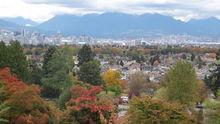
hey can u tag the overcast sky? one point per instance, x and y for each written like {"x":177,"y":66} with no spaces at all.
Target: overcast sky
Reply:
{"x":42,"y":10}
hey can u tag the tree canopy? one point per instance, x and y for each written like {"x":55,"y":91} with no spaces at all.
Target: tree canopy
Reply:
{"x":13,"y":56}
{"x":90,"y":73}
{"x":181,"y":83}
{"x":85,"y":54}
{"x":146,"y":110}
{"x":58,"y":77}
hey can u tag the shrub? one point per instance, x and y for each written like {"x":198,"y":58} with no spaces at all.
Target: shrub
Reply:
{"x":146,"y":110}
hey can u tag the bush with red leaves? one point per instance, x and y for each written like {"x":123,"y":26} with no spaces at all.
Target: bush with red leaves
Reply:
{"x":11,"y":82}
{"x":86,"y":108}
{"x":24,"y":102}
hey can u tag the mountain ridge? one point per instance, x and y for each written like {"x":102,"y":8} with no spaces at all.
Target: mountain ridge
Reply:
{"x":119,"y":24}
{"x":110,"y":24}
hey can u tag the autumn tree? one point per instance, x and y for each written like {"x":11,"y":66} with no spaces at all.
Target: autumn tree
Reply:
{"x":181,"y":83}
{"x":89,"y":72}
{"x":85,"y":54}
{"x":138,"y":83}
{"x":11,"y":82}
{"x":202,"y":91}
{"x":146,"y":110}
{"x":23,"y":102}
{"x":85,"y":107}
{"x":112,"y":81}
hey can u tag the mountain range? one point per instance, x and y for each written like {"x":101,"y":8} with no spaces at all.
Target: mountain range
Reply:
{"x":118,"y":24}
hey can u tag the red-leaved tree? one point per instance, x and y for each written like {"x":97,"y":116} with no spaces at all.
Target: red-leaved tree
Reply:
{"x":86,"y":107}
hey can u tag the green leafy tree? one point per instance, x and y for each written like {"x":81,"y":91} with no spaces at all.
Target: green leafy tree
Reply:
{"x":3,"y":107}
{"x":64,"y":98}
{"x":181,"y":83}
{"x":3,"y":110}
{"x":90,"y":73}
{"x":67,"y":53}
{"x":85,"y":55}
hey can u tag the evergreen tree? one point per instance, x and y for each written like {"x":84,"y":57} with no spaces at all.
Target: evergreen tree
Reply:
{"x":17,"y":60}
{"x":121,"y":63}
{"x":58,"y":77}
{"x":85,"y":55}
{"x":67,"y":53}
{"x":218,"y":54}
{"x":213,"y":80}
{"x":3,"y":55}
{"x":35,"y":73}
{"x":90,"y":73}
{"x":181,"y":83}
{"x":193,"y":57}
{"x":184,"y":56}
{"x":154,"y":59}
{"x":47,"y":57}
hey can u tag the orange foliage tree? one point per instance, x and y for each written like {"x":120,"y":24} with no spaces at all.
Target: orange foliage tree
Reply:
{"x":11,"y":82}
{"x":24,"y":102}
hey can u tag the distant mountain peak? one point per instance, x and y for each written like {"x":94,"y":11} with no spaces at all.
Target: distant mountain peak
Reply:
{"x":21,"y":21}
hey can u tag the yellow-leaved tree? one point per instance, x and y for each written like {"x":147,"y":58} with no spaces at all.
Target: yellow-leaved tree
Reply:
{"x":112,"y":81}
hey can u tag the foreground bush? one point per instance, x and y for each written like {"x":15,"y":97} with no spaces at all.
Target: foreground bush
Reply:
{"x":85,"y":107}
{"x":152,"y":111}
